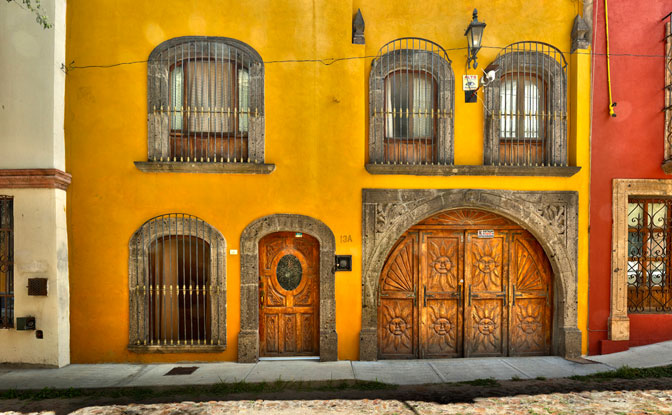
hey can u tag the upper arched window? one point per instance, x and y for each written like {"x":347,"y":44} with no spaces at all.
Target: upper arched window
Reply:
{"x":411,"y":100}
{"x":526,"y":107}
{"x":177,"y":285}
{"x":205,"y":101}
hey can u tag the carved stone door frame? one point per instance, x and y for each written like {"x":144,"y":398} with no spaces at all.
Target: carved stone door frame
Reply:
{"x":551,"y":217}
{"x":248,"y":338}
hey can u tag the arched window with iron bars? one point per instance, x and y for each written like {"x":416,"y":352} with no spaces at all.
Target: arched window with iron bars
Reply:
{"x":411,"y":101}
{"x":526,"y":107}
{"x":205,"y":101}
{"x":177,"y":285}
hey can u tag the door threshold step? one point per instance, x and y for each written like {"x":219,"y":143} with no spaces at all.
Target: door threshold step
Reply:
{"x":289,"y":358}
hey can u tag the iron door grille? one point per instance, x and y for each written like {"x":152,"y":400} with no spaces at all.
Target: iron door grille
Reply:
{"x":176,"y":287}
{"x":6,"y":262}
{"x":649,"y":242}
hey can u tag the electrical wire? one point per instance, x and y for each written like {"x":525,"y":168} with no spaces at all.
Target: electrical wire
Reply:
{"x":330,"y":61}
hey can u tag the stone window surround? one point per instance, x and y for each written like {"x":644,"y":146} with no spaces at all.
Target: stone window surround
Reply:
{"x":558,"y":104}
{"x":411,"y":59}
{"x":158,"y":70}
{"x":622,"y":189}
{"x":248,"y":338}
{"x":139,"y":250}
{"x":551,"y":216}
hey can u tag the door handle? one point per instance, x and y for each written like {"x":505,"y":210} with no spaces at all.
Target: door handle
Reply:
{"x":513,"y":299}
{"x":459,"y":294}
{"x":261,"y":298}
{"x":425,"y":295}
{"x":471,"y":295}
{"x":503,"y":294}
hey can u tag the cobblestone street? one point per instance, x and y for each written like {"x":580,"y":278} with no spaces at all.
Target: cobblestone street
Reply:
{"x":557,"y":396}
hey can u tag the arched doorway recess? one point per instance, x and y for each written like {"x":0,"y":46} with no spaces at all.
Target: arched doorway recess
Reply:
{"x":465,"y":282}
{"x":551,"y":217}
{"x":248,"y":337}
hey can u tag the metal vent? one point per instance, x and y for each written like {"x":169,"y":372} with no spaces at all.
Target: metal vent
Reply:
{"x":181,"y":370}
{"x":37,"y":286}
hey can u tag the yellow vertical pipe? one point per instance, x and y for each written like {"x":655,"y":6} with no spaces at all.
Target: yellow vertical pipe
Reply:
{"x":612,"y":104}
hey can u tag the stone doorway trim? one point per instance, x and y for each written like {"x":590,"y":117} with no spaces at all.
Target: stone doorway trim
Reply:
{"x":248,"y":338}
{"x":551,"y":217}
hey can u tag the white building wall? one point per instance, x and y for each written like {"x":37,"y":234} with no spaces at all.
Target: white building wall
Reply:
{"x":40,"y":251}
{"x":32,"y":91}
{"x":32,"y":85}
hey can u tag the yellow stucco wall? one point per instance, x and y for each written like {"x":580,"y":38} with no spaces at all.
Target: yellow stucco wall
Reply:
{"x":316,"y":130}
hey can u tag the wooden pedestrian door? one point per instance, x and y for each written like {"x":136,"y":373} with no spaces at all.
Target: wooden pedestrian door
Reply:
{"x":465,"y":283}
{"x":289,"y":295}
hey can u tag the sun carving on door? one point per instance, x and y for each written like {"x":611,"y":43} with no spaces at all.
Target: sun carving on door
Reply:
{"x":442,"y":271}
{"x":442,"y":328}
{"x":486,"y":260}
{"x":529,"y":318}
{"x":486,"y":327}
{"x":398,"y":325}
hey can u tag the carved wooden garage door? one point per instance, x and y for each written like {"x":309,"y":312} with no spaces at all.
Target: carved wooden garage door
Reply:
{"x":465,"y":283}
{"x":288,"y":294}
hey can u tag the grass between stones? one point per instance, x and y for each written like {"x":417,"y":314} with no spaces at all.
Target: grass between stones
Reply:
{"x":626,"y":372}
{"x":216,"y":389}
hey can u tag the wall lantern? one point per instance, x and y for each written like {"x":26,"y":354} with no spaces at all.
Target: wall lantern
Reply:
{"x":474,"y":36}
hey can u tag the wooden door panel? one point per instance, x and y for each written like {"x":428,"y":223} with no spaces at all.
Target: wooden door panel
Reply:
{"x":440,"y":280}
{"x":397,"y":328}
{"x":486,"y":333}
{"x":397,"y":310}
{"x":486,"y":264}
{"x":529,"y":334}
{"x":290,"y":332}
{"x":289,"y":295}
{"x":443,"y":329}
{"x":530,"y":297}
{"x":307,"y":330}
{"x":272,"y":333}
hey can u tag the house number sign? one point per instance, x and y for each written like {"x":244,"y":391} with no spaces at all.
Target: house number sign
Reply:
{"x":486,"y":233}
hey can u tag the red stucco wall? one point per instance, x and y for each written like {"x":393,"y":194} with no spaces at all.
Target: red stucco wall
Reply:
{"x":628,"y":146}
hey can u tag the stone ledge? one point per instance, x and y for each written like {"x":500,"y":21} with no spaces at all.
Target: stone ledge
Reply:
{"x":176,"y":349}
{"x":667,"y":166}
{"x":221,"y":168}
{"x":452,"y":170}
{"x":34,"y":179}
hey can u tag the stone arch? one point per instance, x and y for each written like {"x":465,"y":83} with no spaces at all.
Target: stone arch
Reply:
{"x":551,"y":217}
{"x":248,"y":338}
{"x":174,"y":224}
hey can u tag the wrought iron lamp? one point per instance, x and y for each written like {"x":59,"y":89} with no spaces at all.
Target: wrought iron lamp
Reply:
{"x":474,"y":34}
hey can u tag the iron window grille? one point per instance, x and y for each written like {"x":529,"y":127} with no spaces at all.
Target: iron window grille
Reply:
{"x":649,"y":265}
{"x":668,"y":88}
{"x":177,"y":283}
{"x":6,"y":262}
{"x":526,"y":107}
{"x":206,"y":101}
{"x":411,"y":101}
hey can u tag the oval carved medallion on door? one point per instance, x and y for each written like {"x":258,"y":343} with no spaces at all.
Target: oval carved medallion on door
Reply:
{"x":465,"y":283}
{"x":289,"y":296}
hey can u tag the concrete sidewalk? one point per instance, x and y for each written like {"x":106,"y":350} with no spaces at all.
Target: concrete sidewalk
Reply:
{"x":402,"y":372}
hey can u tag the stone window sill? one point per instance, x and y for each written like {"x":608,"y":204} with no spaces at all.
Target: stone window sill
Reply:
{"x":452,"y":170}
{"x":187,"y":167}
{"x":176,"y":349}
